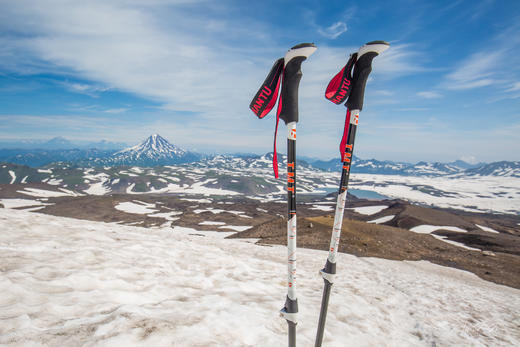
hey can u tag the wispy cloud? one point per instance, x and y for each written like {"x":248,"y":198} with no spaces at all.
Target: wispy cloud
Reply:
{"x":400,"y":59}
{"x":82,"y":88}
{"x":481,"y":8}
{"x":492,"y":65}
{"x":429,"y":95}
{"x":515,"y":87}
{"x":334,"y":30}
{"x":116,"y":110}
{"x":476,"y":71}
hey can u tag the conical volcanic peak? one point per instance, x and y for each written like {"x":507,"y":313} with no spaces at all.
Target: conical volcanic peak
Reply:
{"x":154,"y":147}
{"x":155,"y":150}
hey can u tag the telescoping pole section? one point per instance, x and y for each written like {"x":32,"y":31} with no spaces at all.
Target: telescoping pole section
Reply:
{"x":288,"y":111}
{"x":290,"y":309}
{"x":330,"y":266}
{"x":362,"y":68}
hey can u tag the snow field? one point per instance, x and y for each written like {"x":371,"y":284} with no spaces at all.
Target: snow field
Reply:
{"x":13,"y":176}
{"x":429,"y":229}
{"x":383,"y":219}
{"x":207,"y":222}
{"x":17,"y":203}
{"x":369,"y":210}
{"x":71,"y":282}
{"x":488,"y":229}
{"x":236,"y":227}
{"x":42,"y":193}
{"x":322,"y":208}
{"x":475,"y":193}
{"x":132,"y":207}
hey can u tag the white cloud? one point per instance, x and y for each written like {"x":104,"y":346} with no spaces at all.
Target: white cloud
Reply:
{"x":476,"y":71}
{"x":515,"y":87}
{"x":469,"y":159}
{"x":334,"y":30}
{"x":400,"y":59}
{"x":491,"y":66}
{"x":429,"y":95}
{"x":82,"y":88}
{"x":116,"y":110}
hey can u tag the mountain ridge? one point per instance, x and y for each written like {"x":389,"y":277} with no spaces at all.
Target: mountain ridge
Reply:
{"x":155,"y":150}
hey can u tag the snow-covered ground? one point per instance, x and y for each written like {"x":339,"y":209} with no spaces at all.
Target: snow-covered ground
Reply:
{"x":13,"y":176}
{"x":474,"y":193}
{"x":70,"y":282}
{"x":383,"y":219}
{"x":488,"y":229}
{"x":137,"y":207}
{"x":17,"y":203}
{"x":369,"y":210}
{"x":429,"y":229}
{"x":42,"y":193}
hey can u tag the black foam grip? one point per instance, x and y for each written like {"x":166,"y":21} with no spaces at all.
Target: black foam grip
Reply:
{"x":289,"y":97}
{"x":362,"y":69}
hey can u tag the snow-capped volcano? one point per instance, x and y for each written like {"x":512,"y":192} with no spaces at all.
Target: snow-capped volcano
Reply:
{"x":155,"y":150}
{"x":153,"y":147}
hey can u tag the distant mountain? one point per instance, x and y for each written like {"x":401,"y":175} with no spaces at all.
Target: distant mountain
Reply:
{"x":252,"y":161}
{"x":153,"y":151}
{"x":371,"y":166}
{"x":57,"y":143}
{"x":464,"y":165}
{"x":157,"y":151}
{"x":61,"y":143}
{"x":42,"y":157}
{"x":500,"y":168}
{"x":431,"y":169}
{"x":104,"y":144}
{"x":54,"y":143}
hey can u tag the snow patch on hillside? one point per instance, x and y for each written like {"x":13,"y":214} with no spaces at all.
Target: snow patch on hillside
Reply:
{"x":42,"y":193}
{"x":488,"y":229}
{"x":132,"y":207}
{"x":13,"y":176}
{"x":369,"y":210}
{"x":18,"y":203}
{"x":382,"y":219}
{"x":429,"y":229}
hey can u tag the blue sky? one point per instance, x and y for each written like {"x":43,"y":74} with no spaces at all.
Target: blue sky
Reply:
{"x":448,"y":88}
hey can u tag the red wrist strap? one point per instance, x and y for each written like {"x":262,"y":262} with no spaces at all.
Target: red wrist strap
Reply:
{"x":265,"y":99}
{"x":338,"y":91}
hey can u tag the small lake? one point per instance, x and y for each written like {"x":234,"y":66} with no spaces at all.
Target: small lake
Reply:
{"x":358,"y":193}
{"x":367,"y":194}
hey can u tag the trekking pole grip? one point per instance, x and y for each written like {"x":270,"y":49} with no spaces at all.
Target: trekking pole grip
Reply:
{"x":291,"y":80}
{"x":362,"y":69}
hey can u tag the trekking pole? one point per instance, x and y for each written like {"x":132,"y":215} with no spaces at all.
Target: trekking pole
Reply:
{"x":345,"y":85}
{"x":263,"y":102}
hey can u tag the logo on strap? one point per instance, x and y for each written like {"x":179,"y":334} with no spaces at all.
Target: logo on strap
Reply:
{"x":339,"y":87}
{"x":265,"y":99}
{"x":338,"y":91}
